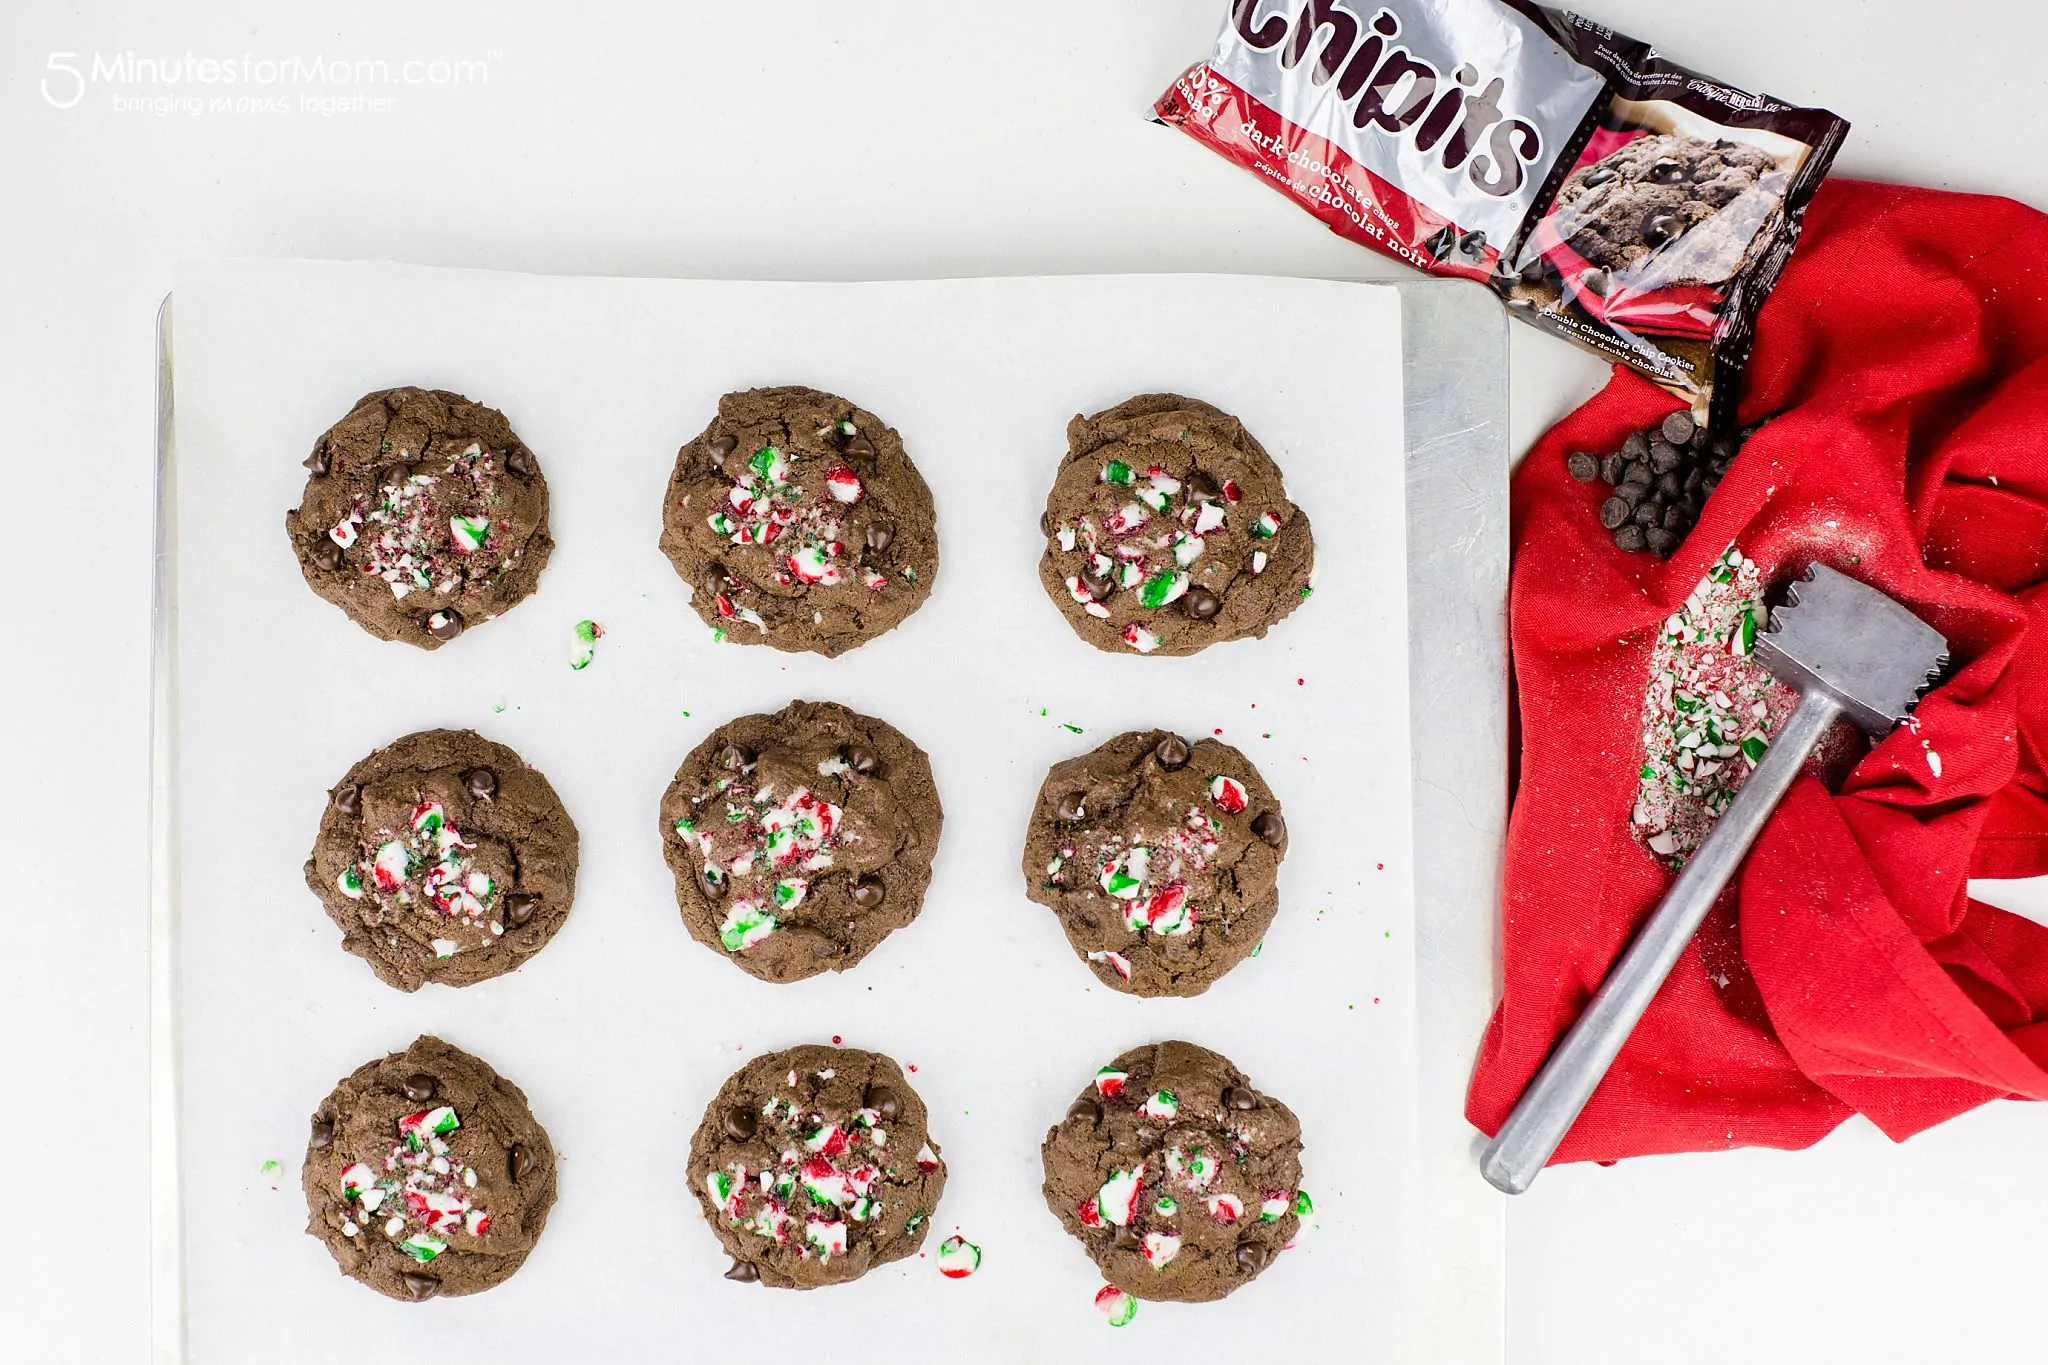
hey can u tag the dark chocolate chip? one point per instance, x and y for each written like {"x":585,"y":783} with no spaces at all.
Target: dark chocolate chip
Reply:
{"x":419,"y":1087}
{"x":324,"y":553}
{"x":1046,"y":525}
{"x":860,"y":758}
{"x":1200,"y":603}
{"x":1711,"y":482}
{"x":1072,"y":806}
{"x":396,"y":475}
{"x":1693,"y":480}
{"x":1582,"y":466}
{"x":1678,"y":427}
{"x":1237,"y":1097}
{"x":869,"y":893}
{"x":520,"y":905}
{"x":1251,"y":1258}
{"x":742,"y":1272}
{"x":1614,"y":512}
{"x":861,"y":447}
{"x":444,"y":625}
{"x":1630,"y":538}
{"x":1637,"y":446}
{"x":718,"y":582}
{"x":1669,"y":485}
{"x":714,"y":887}
{"x":720,"y":447}
{"x":1663,"y":457}
{"x":418,"y":1287}
{"x":1126,"y":1238}
{"x":882,"y":534}
{"x":1268,"y":826}
{"x":734,"y":757}
{"x":1699,"y":439}
{"x":323,"y":1132}
{"x":518,"y":462}
{"x":317,"y":461}
{"x":1674,"y":518}
{"x":1099,"y":584}
{"x":1172,"y":752}
{"x":740,"y":1122}
{"x":1648,"y":513}
{"x":1722,"y":448}
{"x":482,"y":784}
{"x":1610,"y":468}
{"x":518,"y":1162}
{"x":1661,"y":542}
{"x":884,"y":1101}
{"x":1638,"y":473}
{"x":1662,"y":227}
{"x":1086,"y":1110}
{"x":1668,"y":171}
{"x":1630,"y":493}
{"x":348,"y":799}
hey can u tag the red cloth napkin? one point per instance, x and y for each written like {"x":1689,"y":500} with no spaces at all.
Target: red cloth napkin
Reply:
{"x":1903,"y":364}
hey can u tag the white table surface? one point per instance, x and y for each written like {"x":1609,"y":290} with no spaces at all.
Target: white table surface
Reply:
{"x":850,"y":139}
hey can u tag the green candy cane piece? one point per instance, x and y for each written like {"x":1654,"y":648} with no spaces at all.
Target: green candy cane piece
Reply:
{"x":469,"y":532}
{"x":1161,"y":589}
{"x":745,"y":925}
{"x":1117,"y":472}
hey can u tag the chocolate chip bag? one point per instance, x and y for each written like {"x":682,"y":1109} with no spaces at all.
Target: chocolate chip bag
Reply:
{"x":1611,"y":196}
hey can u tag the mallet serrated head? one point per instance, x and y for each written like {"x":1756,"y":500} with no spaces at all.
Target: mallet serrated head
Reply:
{"x":1853,"y":643}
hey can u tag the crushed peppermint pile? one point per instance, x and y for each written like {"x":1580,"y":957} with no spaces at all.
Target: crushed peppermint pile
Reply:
{"x":826,"y":1182}
{"x":1709,"y":712}
{"x":417,"y":1197}
{"x":762,"y":849}
{"x":413,"y":537}
{"x":426,"y":867}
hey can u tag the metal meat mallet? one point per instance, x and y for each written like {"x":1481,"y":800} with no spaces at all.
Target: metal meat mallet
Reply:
{"x":1851,"y":651}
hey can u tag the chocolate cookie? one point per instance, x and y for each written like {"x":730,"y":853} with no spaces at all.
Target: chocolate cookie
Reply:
{"x":799,"y":522}
{"x":424,"y":514}
{"x":1679,"y":208}
{"x":1168,"y":530}
{"x":1179,"y":1179}
{"x":813,"y":1167}
{"x":426,"y":1174}
{"x":801,"y":840}
{"x":443,"y":857}
{"x":1159,"y":857}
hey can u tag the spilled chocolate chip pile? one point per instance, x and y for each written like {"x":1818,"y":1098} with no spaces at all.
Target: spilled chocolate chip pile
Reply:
{"x":1662,"y":477}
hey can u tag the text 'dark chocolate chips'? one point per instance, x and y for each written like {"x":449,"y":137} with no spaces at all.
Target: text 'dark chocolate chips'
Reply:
{"x":443,"y":857}
{"x":834,"y":1173}
{"x":1160,"y":859}
{"x":1168,"y":529}
{"x":1178,"y":1178}
{"x":423,"y":515}
{"x":426,"y":1174}
{"x":800,"y":840}
{"x":800,"y":522}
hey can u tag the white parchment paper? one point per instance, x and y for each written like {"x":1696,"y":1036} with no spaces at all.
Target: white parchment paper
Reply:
{"x":624,"y":1027}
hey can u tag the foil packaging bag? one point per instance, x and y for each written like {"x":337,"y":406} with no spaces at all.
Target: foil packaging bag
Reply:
{"x":1608,"y":195}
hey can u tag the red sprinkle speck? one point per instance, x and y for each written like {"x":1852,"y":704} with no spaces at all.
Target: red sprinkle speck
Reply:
{"x":836,"y":1040}
{"x":1217,"y":731}
{"x":1301,"y":682}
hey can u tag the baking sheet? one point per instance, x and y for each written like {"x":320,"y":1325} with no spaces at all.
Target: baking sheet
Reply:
{"x":623,"y":1028}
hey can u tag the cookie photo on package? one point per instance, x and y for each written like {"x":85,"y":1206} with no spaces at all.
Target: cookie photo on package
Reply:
{"x":1610,"y":196}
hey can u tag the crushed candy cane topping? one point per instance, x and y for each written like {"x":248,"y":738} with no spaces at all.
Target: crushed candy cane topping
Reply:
{"x":431,"y":530}
{"x":418,"y":1196}
{"x":1709,"y":711}
{"x":763,"y":849}
{"x":827,"y":1184}
{"x":428,"y":868}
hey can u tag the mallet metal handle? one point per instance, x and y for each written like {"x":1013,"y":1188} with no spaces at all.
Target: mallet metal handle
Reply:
{"x":1553,"y":1100}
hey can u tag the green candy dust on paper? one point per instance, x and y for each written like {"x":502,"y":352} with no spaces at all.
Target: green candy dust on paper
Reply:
{"x":1070,"y":727}
{"x":583,"y":644}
